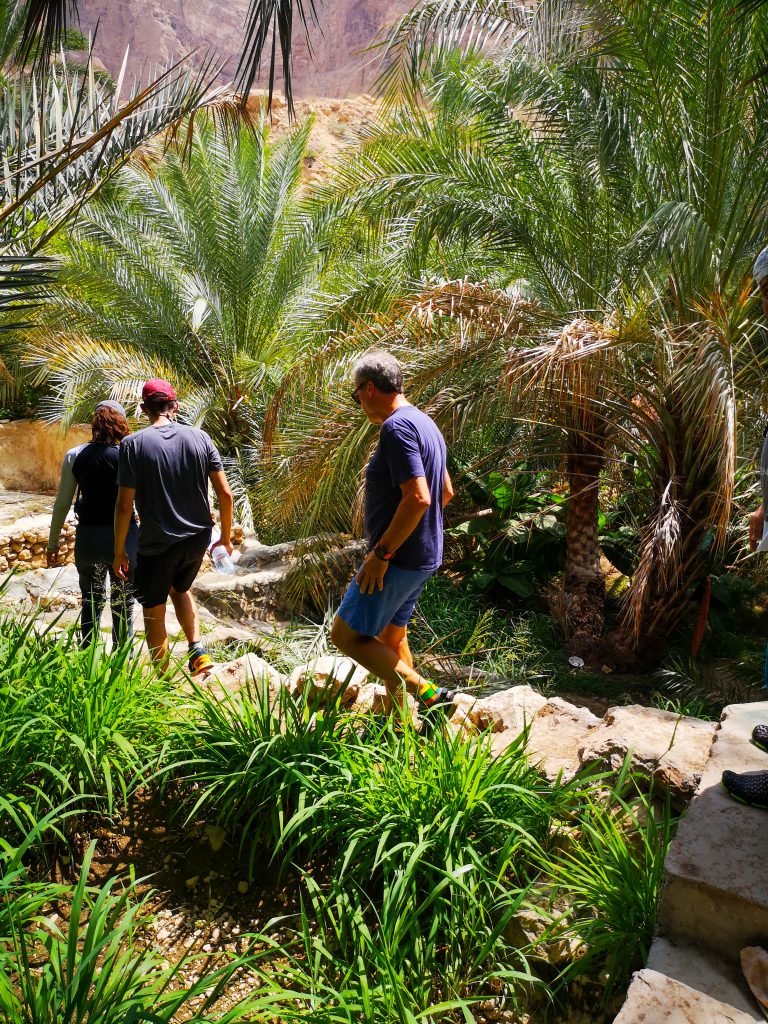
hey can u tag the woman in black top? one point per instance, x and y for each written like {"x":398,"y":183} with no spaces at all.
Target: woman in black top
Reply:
{"x":92,"y":468}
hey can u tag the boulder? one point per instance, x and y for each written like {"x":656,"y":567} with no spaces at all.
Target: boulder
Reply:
{"x":505,"y":714}
{"x":278,"y":589}
{"x":254,"y":554}
{"x":53,"y":588}
{"x":370,"y":699}
{"x":329,"y":676}
{"x":232,"y":676}
{"x":557,"y":733}
{"x":244,"y":596}
{"x":670,"y":748}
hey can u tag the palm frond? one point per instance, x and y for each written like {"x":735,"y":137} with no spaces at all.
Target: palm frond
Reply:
{"x":269,"y":22}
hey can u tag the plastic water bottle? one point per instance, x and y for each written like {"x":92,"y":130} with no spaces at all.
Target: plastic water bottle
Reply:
{"x":222,"y":561}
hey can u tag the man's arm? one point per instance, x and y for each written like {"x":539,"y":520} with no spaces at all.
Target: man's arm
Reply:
{"x":123,"y":516}
{"x":448,"y":491}
{"x":224,"y":496}
{"x":414,"y":503}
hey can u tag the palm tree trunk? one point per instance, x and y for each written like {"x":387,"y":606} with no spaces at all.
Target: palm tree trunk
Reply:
{"x":584,"y":583}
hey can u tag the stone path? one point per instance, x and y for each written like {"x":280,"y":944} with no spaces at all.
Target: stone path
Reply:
{"x":715,"y":898}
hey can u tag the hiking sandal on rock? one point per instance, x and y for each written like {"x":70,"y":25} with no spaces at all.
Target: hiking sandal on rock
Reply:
{"x":760,"y":737}
{"x":436,"y":711}
{"x":200,"y":664}
{"x":750,"y":788}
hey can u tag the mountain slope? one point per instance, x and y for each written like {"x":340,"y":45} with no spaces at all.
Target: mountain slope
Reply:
{"x":158,"y":30}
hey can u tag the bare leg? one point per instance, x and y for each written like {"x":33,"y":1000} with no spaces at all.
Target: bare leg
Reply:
{"x":379,"y":658}
{"x":396,"y":638}
{"x":157,"y":638}
{"x":186,"y":613}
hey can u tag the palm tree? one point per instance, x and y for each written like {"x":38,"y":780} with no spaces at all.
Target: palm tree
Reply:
{"x":61,"y":137}
{"x":198,"y":268}
{"x":611,"y":159}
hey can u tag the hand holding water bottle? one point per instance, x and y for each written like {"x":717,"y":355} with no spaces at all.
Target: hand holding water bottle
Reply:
{"x":221,"y":554}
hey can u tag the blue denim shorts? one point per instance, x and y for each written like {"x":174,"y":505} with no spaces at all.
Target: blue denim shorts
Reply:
{"x":368,"y":614}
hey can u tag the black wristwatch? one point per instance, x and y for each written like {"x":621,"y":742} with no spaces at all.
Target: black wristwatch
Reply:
{"x":381,"y":552}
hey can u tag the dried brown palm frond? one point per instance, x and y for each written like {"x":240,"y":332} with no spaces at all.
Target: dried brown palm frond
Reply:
{"x":684,"y":415}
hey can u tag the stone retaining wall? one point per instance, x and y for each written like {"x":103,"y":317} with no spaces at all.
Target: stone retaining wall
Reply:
{"x":23,"y":543}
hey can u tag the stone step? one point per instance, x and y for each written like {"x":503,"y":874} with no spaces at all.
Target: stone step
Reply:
{"x":716,"y":888}
{"x":704,"y":971}
{"x":653,"y":998}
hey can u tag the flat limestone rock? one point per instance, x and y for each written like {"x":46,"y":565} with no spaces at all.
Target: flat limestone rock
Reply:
{"x":556,"y":734}
{"x":244,"y":595}
{"x":329,"y":676}
{"x":253,"y":553}
{"x":53,"y":588}
{"x":715,"y":976}
{"x":655,"y":999}
{"x":673,"y":749}
{"x":370,"y":700}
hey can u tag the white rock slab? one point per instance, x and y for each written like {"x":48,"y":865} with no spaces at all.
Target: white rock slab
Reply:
{"x":556,"y":734}
{"x":655,"y":999}
{"x":716,"y":888}
{"x":671,"y":748}
{"x":250,"y":670}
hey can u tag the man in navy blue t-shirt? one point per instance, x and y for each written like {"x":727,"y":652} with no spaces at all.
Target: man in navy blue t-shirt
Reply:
{"x":407,"y":486}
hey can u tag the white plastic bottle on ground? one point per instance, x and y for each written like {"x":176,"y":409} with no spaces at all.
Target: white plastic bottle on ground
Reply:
{"x":222,"y":560}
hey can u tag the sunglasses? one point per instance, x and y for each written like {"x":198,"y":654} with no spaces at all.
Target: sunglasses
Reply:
{"x":354,"y":395}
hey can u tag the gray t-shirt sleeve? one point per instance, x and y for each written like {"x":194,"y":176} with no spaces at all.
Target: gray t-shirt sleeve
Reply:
{"x":126,"y":466}
{"x":63,"y":503}
{"x":214,"y":459}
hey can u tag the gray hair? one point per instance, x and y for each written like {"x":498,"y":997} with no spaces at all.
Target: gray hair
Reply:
{"x":381,"y":369}
{"x":760,"y":269}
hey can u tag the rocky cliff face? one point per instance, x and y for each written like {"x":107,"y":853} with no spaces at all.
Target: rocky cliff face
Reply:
{"x":156,"y":31}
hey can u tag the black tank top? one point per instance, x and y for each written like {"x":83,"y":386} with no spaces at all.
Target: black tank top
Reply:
{"x":95,"y":470}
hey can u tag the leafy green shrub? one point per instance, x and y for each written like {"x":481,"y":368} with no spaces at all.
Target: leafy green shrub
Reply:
{"x":73,"y":720}
{"x":429,"y":806}
{"x":389,"y":963}
{"x":521,"y":541}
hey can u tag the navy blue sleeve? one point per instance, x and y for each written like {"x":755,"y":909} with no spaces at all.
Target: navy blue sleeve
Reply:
{"x":401,"y":451}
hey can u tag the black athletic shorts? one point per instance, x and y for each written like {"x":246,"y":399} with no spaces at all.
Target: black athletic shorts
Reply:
{"x":175,"y":567}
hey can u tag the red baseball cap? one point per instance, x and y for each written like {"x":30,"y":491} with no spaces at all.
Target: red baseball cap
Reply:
{"x":157,"y":388}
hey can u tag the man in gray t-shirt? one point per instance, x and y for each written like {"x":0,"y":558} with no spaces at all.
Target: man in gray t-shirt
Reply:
{"x":165,"y":470}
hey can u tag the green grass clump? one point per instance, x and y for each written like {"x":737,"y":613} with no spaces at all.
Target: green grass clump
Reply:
{"x":91,"y":967}
{"x":75,"y":721}
{"x":250,"y":762}
{"x":609,"y":878}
